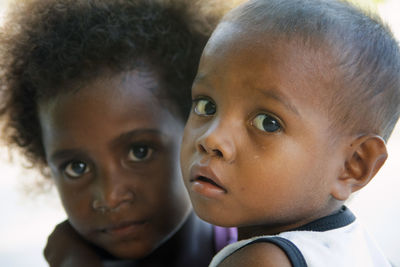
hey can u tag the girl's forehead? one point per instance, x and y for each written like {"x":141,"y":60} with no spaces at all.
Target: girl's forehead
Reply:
{"x":110,"y":92}
{"x":105,"y":109}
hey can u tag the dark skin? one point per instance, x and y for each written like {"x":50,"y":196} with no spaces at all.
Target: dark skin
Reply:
{"x":259,"y":254}
{"x":65,"y":238}
{"x":113,"y":148}
{"x":259,"y":132}
{"x":65,"y":247}
{"x":184,"y":247}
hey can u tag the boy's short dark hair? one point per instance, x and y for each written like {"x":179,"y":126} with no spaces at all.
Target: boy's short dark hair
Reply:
{"x":365,"y":57}
{"x":50,"y":44}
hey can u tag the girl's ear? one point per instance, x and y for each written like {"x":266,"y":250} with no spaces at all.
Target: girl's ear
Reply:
{"x":365,"y":157}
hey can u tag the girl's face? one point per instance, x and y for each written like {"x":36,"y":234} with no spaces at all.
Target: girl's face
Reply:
{"x":113,"y":150}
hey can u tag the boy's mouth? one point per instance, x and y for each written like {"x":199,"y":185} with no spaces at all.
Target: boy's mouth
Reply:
{"x":205,"y":182}
{"x":204,"y":179}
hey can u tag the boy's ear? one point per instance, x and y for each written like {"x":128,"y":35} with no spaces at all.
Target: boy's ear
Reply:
{"x":366,"y":156}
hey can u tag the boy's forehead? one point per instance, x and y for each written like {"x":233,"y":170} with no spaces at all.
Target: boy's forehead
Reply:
{"x":242,"y":39}
{"x":223,"y":38}
{"x":251,"y":55}
{"x":231,"y":33}
{"x":232,"y":41}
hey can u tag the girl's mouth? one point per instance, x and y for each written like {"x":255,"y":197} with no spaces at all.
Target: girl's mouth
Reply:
{"x":125,"y":229}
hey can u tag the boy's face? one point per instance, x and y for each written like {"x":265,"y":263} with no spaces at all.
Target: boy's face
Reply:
{"x":257,"y":148}
{"x":113,"y":150}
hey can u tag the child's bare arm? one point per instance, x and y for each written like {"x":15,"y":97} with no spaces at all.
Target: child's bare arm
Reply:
{"x":66,"y":248}
{"x":257,"y":255}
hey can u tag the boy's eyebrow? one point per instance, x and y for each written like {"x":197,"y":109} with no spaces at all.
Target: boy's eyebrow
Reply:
{"x":270,"y":93}
{"x":200,"y":78}
{"x":274,"y":94}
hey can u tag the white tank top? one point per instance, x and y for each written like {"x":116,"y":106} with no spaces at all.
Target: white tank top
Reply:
{"x":337,"y":240}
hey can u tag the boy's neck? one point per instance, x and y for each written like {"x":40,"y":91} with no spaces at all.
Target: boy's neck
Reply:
{"x":260,"y":230}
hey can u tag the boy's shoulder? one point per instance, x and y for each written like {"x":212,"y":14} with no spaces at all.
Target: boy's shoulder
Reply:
{"x":263,"y":254}
{"x":328,"y":241}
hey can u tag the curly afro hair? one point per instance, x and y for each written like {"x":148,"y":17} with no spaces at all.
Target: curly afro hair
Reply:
{"x":47,"y":44}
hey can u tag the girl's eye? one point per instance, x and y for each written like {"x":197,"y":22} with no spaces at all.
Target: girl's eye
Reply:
{"x":140,"y":153}
{"x":76,"y":169}
{"x":204,"y":107}
{"x":266,"y":123}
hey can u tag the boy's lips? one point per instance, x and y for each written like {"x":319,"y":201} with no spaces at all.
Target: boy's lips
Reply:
{"x":205,"y":182}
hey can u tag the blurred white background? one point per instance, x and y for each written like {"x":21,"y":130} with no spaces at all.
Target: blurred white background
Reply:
{"x":27,"y":219}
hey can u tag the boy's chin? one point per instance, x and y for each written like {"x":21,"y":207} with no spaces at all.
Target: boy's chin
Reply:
{"x":217,"y":219}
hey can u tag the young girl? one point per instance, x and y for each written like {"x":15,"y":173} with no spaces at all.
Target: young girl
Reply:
{"x":292,"y":104}
{"x":97,"y":92}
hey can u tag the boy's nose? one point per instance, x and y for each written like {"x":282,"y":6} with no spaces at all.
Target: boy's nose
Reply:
{"x":218,"y":142}
{"x":113,"y":192}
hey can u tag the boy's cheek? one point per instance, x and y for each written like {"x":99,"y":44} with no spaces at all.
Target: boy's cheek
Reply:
{"x":188,"y":143}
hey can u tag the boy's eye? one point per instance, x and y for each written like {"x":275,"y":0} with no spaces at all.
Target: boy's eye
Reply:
{"x":76,"y":169}
{"x":139,"y":153}
{"x":204,"y":107}
{"x":266,"y":123}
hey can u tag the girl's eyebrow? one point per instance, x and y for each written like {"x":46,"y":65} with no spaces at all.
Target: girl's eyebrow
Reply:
{"x":65,"y":153}
{"x":122,"y":138}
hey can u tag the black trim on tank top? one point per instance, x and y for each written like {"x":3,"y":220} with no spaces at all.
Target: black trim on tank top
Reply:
{"x":292,"y":252}
{"x":339,"y":219}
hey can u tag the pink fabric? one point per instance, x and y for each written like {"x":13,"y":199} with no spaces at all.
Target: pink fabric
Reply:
{"x":224,"y":236}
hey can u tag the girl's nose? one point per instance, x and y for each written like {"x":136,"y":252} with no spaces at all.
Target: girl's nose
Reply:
{"x":218,"y":142}
{"x":113,"y":192}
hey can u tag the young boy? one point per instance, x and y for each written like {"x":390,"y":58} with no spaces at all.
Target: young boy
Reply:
{"x":97,"y":92}
{"x":292,"y":105}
